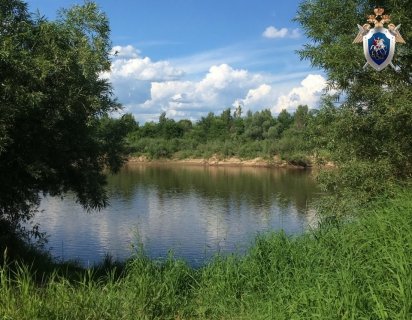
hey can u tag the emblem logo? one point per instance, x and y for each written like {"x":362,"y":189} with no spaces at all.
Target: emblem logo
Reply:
{"x":379,"y":42}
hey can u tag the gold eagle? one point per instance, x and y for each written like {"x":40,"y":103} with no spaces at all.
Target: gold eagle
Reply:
{"x":378,"y":20}
{"x":363,"y":30}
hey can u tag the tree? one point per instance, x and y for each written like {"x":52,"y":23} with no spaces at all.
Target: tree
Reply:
{"x":168,"y":128}
{"x":185,"y":125}
{"x":112,"y":134}
{"x":301,"y":117}
{"x":53,"y":103}
{"x":371,"y":135}
{"x":284,"y":121}
{"x":257,"y":124}
{"x":227,"y":120}
{"x":295,"y":144}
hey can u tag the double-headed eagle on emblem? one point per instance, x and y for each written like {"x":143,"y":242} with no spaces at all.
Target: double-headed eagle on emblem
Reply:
{"x":379,"y":42}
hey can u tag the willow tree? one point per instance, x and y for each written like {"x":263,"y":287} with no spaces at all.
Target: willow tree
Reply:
{"x":370,"y":133}
{"x":52,"y":97}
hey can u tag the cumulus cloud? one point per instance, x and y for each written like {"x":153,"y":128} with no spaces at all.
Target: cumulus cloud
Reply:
{"x":308,"y":93}
{"x":272,"y":33}
{"x":217,"y":90}
{"x":143,"y":69}
{"x":225,"y":84}
{"x":259,"y":97}
{"x":132,"y":75}
{"x":147,"y":88}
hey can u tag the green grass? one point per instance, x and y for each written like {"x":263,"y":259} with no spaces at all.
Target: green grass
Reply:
{"x":356,"y":270}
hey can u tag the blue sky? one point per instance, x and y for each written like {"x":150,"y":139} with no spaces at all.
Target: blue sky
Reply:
{"x":191,"y":57}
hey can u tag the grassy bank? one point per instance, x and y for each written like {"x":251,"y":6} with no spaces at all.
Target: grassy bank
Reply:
{"x":357,"y":270}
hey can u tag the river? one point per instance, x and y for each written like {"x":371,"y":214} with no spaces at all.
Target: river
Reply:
{"x":193,"y":212}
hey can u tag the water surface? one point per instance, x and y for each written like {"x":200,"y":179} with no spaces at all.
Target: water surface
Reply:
{"x":193,"y":211}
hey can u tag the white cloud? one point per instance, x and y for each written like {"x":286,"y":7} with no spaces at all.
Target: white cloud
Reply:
{"x":223,"y":84}
{"x":217,"y":90}
{"x":143,"y":69}
{"x":260,"y":97}
{"x":147,"y":88}
{"x":256,"y":94}
{"x":220,"y":77}
{"x":162,"y":92}
{"x":132,"y":75}
{"x":272,"y":33}
{"x":308,"y":93}
{"x":295,"y":33}
{"x":125,"y":52}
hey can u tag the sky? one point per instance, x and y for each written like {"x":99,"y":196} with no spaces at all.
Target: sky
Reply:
{"x":191,"y":57}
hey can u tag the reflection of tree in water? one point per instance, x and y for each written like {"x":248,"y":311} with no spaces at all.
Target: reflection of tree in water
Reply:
{"x":258,"y":187}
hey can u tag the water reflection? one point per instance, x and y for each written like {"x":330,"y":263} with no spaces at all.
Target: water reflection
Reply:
{"x":193,"y":210}
{"x":257,"y":186}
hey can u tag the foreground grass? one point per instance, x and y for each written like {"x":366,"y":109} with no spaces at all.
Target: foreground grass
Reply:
{"x":357,"y":270}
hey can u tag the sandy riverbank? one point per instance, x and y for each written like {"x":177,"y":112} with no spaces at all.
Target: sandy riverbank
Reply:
{"x":275,"y":162}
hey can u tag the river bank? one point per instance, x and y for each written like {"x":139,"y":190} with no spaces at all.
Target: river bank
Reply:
{"x":354,"y":270}
{"x":274,"y":162}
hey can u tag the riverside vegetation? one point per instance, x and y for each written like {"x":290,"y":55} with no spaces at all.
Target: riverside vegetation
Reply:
{"x":356,"y":270}
{"x":355,"y":265}
{"x":258,"y":134}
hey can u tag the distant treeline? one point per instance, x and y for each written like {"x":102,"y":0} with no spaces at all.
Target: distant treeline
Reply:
{"x":230,"y":134}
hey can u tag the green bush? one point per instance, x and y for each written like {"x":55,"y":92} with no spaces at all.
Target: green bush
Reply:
{"x":298,"y":159}
{"x":251,"y":149}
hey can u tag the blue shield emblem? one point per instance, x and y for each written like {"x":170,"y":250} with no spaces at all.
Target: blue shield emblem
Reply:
{"x":379,"y":47}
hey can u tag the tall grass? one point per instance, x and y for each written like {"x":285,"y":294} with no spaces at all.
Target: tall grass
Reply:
{"x":358,"y":270}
